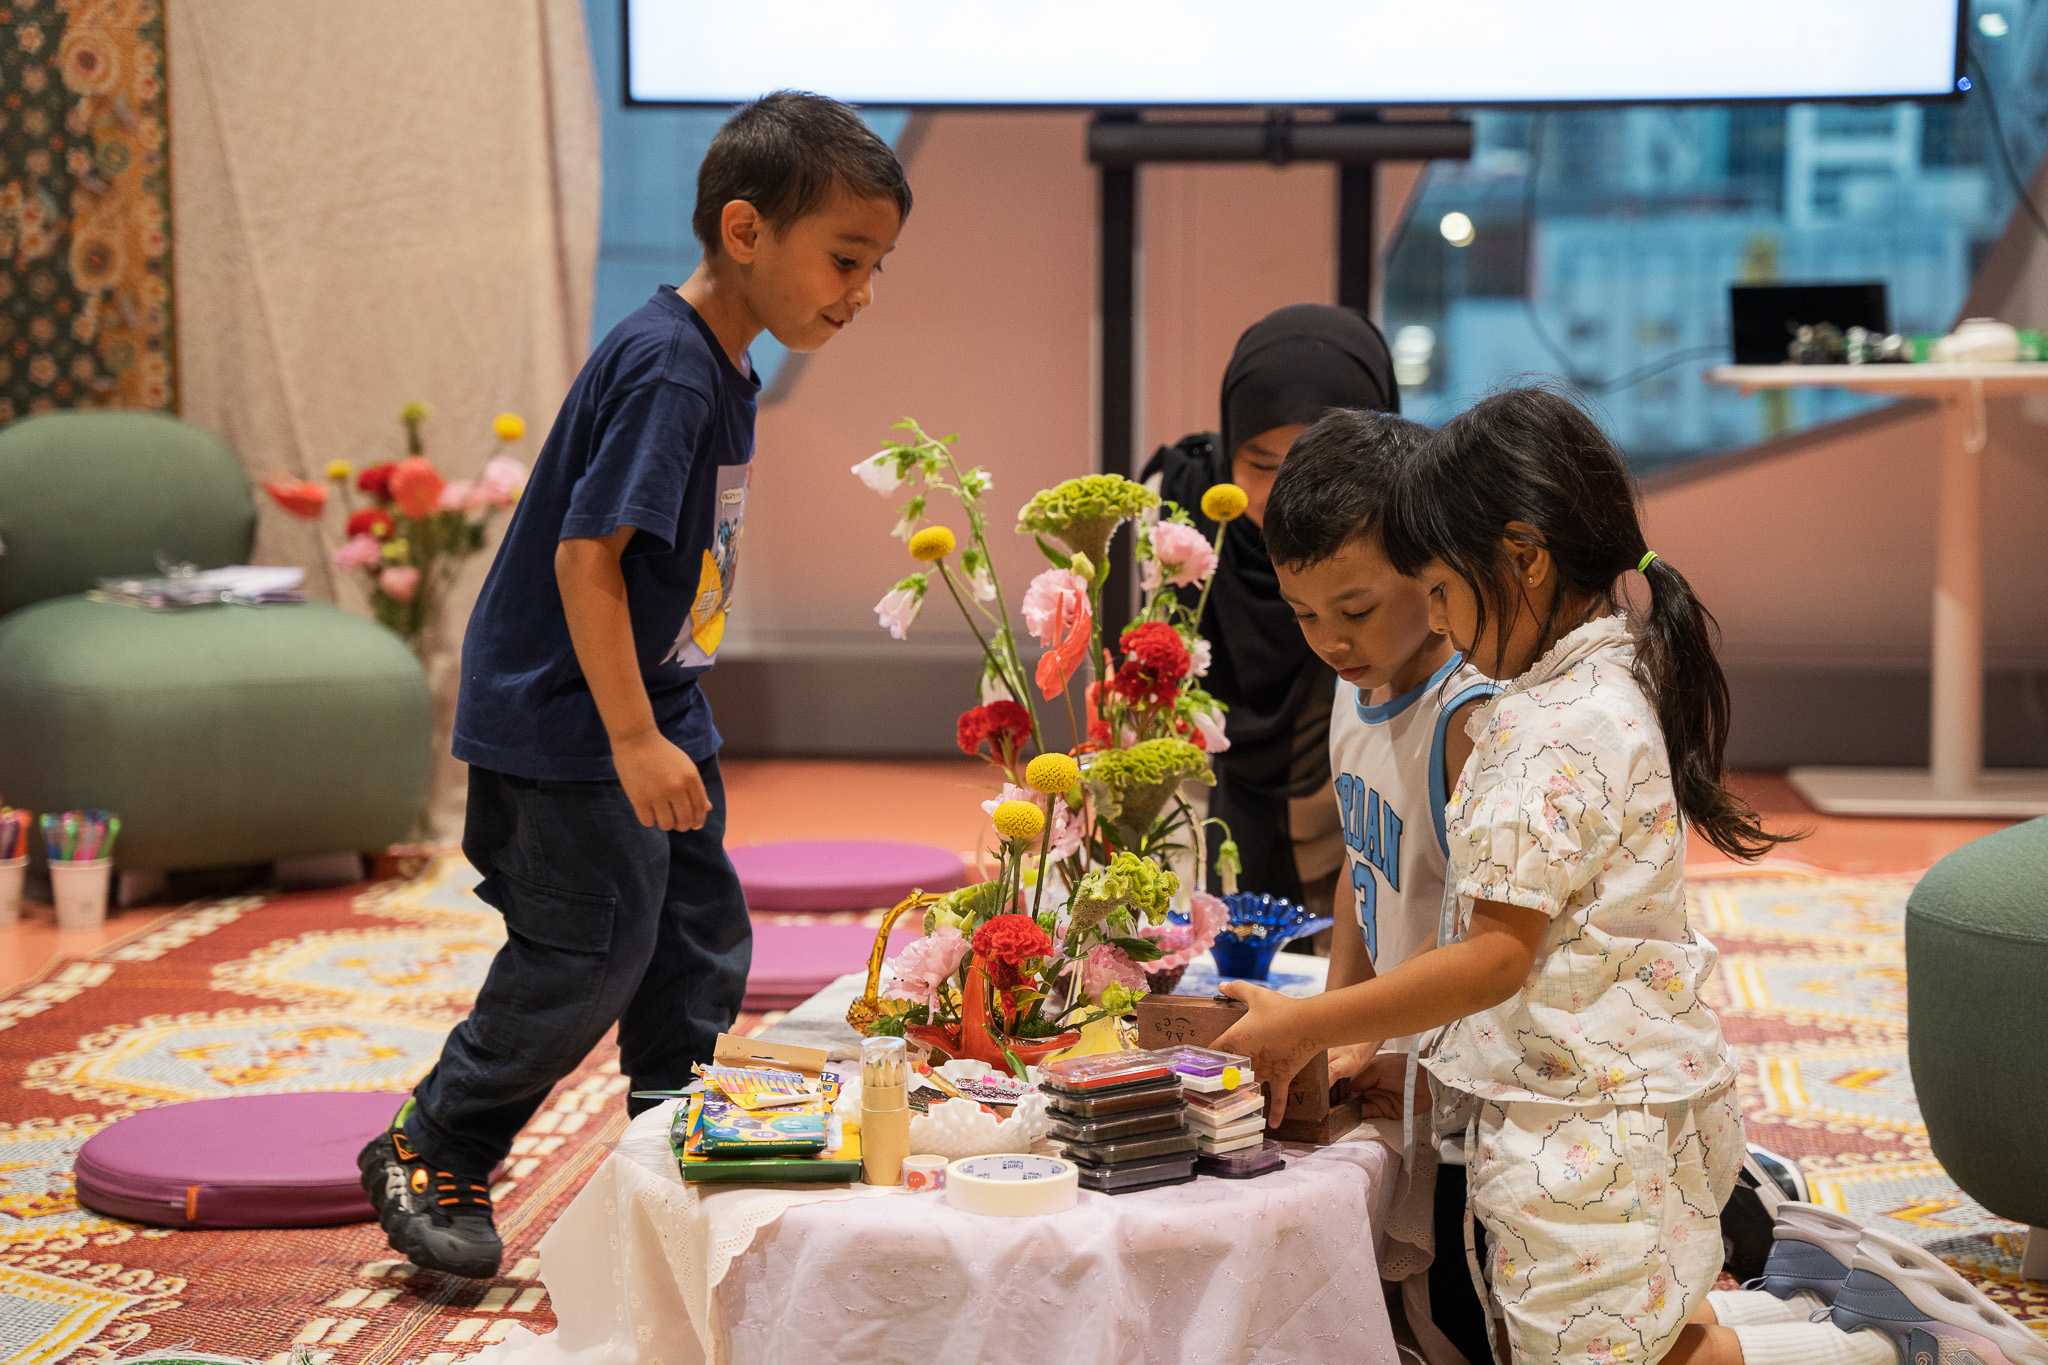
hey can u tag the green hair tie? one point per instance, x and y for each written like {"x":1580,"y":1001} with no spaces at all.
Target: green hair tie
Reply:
{"x":1644,"y":566}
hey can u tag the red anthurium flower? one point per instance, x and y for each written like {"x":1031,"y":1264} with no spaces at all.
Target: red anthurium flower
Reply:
{"x":297,"y":496}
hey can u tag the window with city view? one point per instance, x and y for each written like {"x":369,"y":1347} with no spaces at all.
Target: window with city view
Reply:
{"x":1600,"y":244}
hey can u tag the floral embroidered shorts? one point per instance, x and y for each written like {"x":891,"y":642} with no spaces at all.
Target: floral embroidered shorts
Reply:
{"x":1604,"y":1222}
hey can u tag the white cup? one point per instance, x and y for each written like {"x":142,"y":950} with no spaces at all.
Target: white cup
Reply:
{"x":11,"y":870}
{"x":80,"y":890}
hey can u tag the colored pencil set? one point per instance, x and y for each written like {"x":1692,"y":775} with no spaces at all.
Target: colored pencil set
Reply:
{"x":13,"y":833}
{"x":80,"y":835}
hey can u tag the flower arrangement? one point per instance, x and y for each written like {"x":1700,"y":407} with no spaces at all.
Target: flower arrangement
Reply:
{"x":412,"y":529}
{"x":1082,"y":901}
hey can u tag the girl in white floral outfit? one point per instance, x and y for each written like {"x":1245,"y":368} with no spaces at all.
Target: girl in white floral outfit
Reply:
{"x":1591,"y":1082}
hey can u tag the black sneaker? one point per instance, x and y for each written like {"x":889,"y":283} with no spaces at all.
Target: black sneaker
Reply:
{"x":438,"y":1220}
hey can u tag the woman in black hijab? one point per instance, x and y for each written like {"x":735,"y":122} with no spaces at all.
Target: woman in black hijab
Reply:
{"x":1273,"y":782}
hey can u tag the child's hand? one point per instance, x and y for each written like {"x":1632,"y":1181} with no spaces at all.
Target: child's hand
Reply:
{"x":662,"y":783}
{"x":1271,"y":1034}
{"x":1349,"y":1060}
{"x":1378,"y":1087}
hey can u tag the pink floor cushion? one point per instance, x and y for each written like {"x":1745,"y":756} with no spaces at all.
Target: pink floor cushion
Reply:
{"x":842,"y":874}
{"x":793,"y":962}
{"x":248,"y":1161}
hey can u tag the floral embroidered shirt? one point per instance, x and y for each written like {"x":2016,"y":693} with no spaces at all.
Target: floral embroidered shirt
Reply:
{"x":1566,"y":806}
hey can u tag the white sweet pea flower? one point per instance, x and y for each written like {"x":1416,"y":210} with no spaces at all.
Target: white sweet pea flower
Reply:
{"x":982,"y":584}
{"x":1210,"y":725}
{"x":900,"y":605}
{"x":1201,"y":656}
{"x":879,"y":472}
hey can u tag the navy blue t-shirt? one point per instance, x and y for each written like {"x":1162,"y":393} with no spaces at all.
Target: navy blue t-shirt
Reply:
{"x":657,"y":433}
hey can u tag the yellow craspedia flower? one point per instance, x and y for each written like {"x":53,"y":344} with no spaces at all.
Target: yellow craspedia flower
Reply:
{"x":1225,"y":502}
{"x":396,"y":550}
{"x":510,"y":426}
{"x":415,"y":411}
{"x":339,"y":470}
{"x":931,"y":544}
{"x":1019,"y":820}
{"x":1053,"y":774}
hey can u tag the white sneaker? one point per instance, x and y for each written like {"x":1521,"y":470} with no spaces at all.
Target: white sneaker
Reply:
{"x":1811,"y":1251}
{"x":1933,"y":1315}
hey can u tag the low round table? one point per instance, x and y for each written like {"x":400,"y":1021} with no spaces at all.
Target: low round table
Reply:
{"x":645,"y":1270}
{"x":841,"y":874}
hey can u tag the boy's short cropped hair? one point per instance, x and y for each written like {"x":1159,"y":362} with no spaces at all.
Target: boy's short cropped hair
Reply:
{"x":1335,"y":483}
{"x":784,"y":153}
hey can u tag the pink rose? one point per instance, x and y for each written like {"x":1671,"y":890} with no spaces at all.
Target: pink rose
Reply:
{"x":1183,"y":554}
{"x":399,"y":582}
{"x":502,"y":481}
{"x":1055,"y":600}
{"x":359,"y":552}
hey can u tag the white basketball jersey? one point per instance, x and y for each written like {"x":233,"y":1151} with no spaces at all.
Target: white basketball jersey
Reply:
{"x":1388,"y":763}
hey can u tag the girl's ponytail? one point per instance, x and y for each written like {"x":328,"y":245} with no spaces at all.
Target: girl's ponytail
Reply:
{"x":1676,"y":664}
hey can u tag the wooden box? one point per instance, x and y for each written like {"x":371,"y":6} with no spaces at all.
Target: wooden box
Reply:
{"x":1316,"y":1111}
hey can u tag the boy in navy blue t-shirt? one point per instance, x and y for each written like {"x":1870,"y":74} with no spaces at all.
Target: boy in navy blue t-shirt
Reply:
{"x":596,"y":814}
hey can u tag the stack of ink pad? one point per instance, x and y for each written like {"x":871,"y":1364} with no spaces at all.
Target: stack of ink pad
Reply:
{"x":1122,"y":1120}
{"x":1226,"y":1112}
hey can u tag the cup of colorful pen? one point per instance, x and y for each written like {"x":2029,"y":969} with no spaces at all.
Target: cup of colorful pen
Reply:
{"x":80,"y":847}
{"x":13,"y":861}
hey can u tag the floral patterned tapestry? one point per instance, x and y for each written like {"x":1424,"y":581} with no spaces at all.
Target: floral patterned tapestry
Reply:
{"x":85,"y":306}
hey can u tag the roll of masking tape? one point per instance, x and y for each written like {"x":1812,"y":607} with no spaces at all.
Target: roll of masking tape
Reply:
{"x":1007,"y":1185}
{"x":924,"y":1173}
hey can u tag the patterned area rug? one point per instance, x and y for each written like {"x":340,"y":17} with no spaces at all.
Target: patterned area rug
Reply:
{"x":255,"y":995}
{"x":1812,"y":989}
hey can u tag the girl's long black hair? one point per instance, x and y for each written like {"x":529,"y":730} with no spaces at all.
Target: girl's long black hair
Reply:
{"x":1533,"y":456}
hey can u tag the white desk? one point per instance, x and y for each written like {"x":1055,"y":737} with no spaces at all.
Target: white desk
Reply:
{"x":1955,"y":783}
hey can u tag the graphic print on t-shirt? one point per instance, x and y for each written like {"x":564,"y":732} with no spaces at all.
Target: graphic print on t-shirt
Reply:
{"x":697,"y":644}
{"x":1373,"y":831}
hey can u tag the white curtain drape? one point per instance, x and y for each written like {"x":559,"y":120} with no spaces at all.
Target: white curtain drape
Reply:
{"x":375,"y":201}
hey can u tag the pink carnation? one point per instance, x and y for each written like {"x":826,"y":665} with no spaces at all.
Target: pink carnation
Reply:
{"x":459,"y":496}
{"x":1181,"y":553}
{"x":922,"y":967}
{"x":399,"y":582}
{"x":359,"y":552}
{"x":1107,"y":965}
{"x":502,"y":481}
{"x":1055,"y":599}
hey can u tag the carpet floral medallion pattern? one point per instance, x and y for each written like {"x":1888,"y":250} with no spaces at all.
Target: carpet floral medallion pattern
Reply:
{"x":85,"y":253}
{"x":259,"y":995}
{"x":1812,"y":990}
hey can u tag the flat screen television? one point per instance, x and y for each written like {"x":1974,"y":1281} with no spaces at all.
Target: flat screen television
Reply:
{"x":1314,"y":53}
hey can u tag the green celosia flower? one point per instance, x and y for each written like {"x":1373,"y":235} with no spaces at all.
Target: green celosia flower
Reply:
{"x":965,"y":909}
{"x":1119,"y":999}
{"x":1129,"y":883}
{"x":1082,"y":513}
{"x":1131,"y":785}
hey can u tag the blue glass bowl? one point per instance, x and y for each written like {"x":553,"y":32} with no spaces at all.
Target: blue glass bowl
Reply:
{"x":1259,"y":927}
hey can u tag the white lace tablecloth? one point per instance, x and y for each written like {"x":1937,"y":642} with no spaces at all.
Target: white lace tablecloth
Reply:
{"x":645,"y":1270}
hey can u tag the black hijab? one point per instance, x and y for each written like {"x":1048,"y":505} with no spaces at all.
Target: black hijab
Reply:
{"x":1293,"y":365}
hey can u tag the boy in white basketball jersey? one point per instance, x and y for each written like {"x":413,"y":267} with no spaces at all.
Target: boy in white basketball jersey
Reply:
{"x":1397,"y":743}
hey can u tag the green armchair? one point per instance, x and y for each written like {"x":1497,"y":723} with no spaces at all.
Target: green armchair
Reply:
{"x":222,"y":736}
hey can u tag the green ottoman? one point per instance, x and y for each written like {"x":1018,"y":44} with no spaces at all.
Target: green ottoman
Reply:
{"x":222,"y":735}
{"x":1977,"y":1010}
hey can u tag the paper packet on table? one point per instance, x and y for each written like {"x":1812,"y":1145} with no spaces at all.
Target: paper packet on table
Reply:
{"x":720,"y":1128}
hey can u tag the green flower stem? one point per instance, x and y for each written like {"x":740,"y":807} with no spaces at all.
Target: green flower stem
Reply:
{"x":1202,"y":603}
{"x":995,"y":661}
{"x":1044,"y":852}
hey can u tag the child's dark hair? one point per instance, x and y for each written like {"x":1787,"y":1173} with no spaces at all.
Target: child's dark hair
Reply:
{"x":1534,"y":457}
{"x":1334,"y":486}
{"x":784,"y":153}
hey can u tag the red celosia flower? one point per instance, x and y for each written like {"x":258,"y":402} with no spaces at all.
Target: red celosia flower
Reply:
{"x":371,"y":521}
{"x":1003,"y":726}
{"x":1155,"y":661}
{"x":297,"y":496}
{"x":1010,"y":939}
{"x":376,"y":479}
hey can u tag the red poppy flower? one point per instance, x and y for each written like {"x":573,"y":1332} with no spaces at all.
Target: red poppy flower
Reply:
{"x":376,"y":480}
{"x":371,"y":521}
{"x":297,"y":496}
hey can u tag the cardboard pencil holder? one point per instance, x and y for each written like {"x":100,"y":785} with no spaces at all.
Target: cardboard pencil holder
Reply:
{"x":884,"y":1133}
{"x":79,"y":888}
{"x":11,"y":872}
